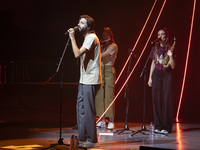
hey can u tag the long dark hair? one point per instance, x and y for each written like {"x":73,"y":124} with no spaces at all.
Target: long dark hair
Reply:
{"x":167,"y":46}
{"x":109,"y":31}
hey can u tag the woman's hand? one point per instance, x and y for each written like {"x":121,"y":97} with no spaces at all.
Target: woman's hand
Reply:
{"x":150,"y":82}
{"x":171,"y":59}
{"x":170,"y":53}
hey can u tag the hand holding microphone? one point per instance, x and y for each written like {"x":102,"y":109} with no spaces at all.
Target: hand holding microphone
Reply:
{"x":75,"y":29}
{"x":71,"y":32}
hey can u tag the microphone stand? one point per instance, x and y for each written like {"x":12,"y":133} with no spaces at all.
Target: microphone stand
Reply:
{"x":60,"y":141}
{"x":143,"y":127}
{"x":126,"y":95}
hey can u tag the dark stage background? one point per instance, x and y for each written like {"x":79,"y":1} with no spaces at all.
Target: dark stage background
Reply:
{"x":32,"y":41}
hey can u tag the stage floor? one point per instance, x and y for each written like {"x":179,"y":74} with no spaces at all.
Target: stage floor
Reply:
{"x":18,"y":136}
{"x":30,"y":117}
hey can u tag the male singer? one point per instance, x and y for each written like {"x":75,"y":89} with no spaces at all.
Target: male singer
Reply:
{"x":90,"y":79}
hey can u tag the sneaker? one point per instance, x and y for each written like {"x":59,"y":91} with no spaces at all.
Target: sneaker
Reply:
{"x":90,"y":145}
{"x":99,"y":124}
{"x":164,"y":131}
{"x":157,"y":131}
{"x":79,"y":142}
{"x":110,"y":125}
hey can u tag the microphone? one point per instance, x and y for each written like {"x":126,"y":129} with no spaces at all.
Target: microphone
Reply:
{"x":134,"y":53}
{"x":75,"y":29}
{"x":156,"y":40}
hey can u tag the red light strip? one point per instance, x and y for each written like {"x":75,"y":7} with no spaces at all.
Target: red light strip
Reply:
{"x":135,"y":64}
{"x":186,"y":63}
{"x":136,"y":42}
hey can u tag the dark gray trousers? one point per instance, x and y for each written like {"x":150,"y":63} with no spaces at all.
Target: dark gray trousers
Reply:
{"x":86,"y":112}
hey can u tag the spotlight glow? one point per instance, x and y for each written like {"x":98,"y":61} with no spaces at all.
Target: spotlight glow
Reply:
{"x":179,"y":137}
{"x":22,"y":147}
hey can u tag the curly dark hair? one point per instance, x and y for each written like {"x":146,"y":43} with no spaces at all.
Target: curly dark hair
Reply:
{"x":90,"y":22}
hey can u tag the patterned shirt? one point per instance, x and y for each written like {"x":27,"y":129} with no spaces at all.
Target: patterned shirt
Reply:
{"x":161,"y":55}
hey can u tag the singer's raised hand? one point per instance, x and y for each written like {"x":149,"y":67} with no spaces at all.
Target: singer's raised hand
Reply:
{"x":71,"y":33}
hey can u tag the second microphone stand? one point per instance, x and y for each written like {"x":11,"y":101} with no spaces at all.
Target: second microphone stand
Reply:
{"x":126,"y":95}
{"x":143,"y":127}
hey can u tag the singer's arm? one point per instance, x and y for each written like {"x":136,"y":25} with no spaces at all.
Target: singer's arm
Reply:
{"x":77,"y":52}
{"x":151,"y":72}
